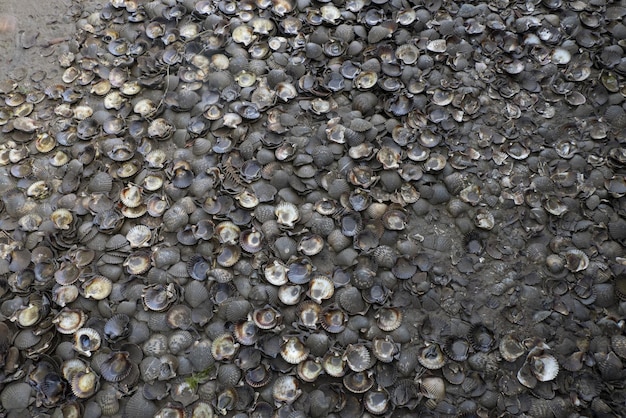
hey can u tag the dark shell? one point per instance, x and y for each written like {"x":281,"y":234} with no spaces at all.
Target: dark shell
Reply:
{"x":116,"y":367}
{"x":481,"y":338}
{"x":456,"y":349}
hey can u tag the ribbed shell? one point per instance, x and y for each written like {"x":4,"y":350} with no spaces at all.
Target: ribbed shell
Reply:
{"x":15,"y":396}
{"x":228,"y":375}
{"x":101,"y":182}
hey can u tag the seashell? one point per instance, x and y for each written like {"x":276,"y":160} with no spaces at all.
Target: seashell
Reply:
{"x":116,"y":367}
{"x":179,"y":317}
{"x":388,"y":319}
{"x":334,"y":364}
{"x":237,"y":309}
{"x":68,"y":321}
{"x":510,"y":348}
{"x":359,"y":382}
{"x":576,"y":260}
{"x":227,"y":232}
{"x":309,"y":370}
{"x":311,"y":244}
{"x":351,"y":301}
{"x":86,"y":340}
{"x":431,"y":357}
{"x":481,"y":338}
{"x":15,"y":396}
{"x":333,"y":320}
{"x":116,"y":328}
{"x":251,"y":240}
{"x":433,"y":388}
{"x":246,"y":332}
{"x":309,"y":313}
{"x":224,"y":347}
{"x":618,"y":344}
{"x":544,"y":367}
{"x":138,"y":406}
{"x":358,"y":357}
{"x":228,"y":255}
{"x":376,"y":402}
{"x":293,"y":351}
{"x":228,"y":375}
{"x":158,"y":298}
{"x":320,"y":288}
{"x":385,"y":349}
{"x":175,"y":218}
{"x":98,"y":288}
{"x":287,"y":214}
{"x":131,"y":196}
{"x":198,"y":268}
{"x":286,"y":389}
{"x":610,"y":366}
{"x":84,"y":384}
{"x":456,"y":349}
{"x":258,"y":376}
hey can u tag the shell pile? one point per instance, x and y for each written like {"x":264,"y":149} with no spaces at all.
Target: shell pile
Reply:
{"x":318,"y":208}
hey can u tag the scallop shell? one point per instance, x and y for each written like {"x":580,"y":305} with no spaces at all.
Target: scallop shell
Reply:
{"x":385,"y":349}
{"x":334,"y":365}
{"x":15,"y":396}
{"x":481,"y":338}
{"x":510,"y":348}
{"x":287,"y":214}
{"x":389,"y":319}
{"x":320,"y":289}
{"x":359,"y":382}
{"x":246,"y":332}
{"x":351,"y":301}
{"x":87,"y":340}
{"x":228,"y":375}
{"x":98,"y":288}
{"x":84,"y":384}
{"x":376,"y":402}
{"x":286,"y":389}
{"x":309,"y":314}
{"x":68,"y":321}
{"x":293,"y":351}
{"x":258,"y":376}
{"x":116,"y":367}
{"x":431,"y":357}
{"x":266,"y":318}
{"x":224,"y":347}
{"x":433,"y":388}
{"x":334,"y":320}
{"x":358,"y":357}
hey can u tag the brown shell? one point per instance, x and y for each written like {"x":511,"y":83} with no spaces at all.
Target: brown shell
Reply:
{"x":334,"y":320}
